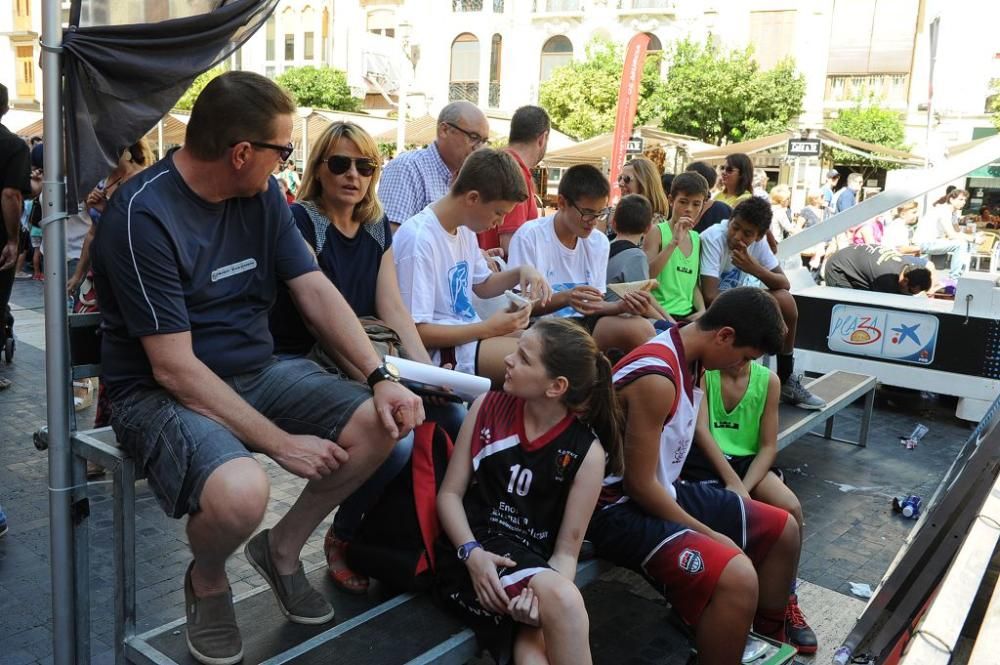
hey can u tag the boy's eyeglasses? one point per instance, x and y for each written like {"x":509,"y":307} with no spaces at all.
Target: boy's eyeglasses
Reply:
{"x":625,"y":179}
{"x":284,"y":151}
{"x":341,"y":164}
{"x":599,"y":215}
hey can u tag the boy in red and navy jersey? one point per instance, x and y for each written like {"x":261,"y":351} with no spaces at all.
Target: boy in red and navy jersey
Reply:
{"x":725,"y":563}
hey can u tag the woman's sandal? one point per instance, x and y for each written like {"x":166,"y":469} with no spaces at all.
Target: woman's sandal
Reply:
{"x":336,"y":562}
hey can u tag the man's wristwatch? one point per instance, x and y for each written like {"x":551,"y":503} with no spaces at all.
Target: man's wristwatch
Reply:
{"x":464,"y":551}
{"x":384,"y":372}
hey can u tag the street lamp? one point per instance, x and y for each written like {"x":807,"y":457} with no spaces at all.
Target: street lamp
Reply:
{"x":933,"y":34}
{"x":412,"y":55}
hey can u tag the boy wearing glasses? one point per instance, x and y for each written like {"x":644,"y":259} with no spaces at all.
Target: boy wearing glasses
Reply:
{"x":735,"y":253}
{"x":573,"y":259}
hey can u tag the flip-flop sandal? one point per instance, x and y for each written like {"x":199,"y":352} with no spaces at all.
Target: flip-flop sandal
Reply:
{"x":5,"y":384}
{"x":340,"y":573}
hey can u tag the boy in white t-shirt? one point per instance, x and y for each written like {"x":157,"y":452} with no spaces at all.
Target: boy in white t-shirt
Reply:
{"x":735,"y":253}
{"x":439,"y":265}
{"x":571,"y":257}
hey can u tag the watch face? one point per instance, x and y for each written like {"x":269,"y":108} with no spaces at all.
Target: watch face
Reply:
{"x":392,"y":371}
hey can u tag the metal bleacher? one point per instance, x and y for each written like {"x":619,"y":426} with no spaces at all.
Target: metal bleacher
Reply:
{"x":379,"y":628}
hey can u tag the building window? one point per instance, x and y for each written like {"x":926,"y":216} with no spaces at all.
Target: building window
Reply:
{"x":464,"y":81}
{"x":289,"y":46}
{"x":270,"y":30}
{"x":382,"y":22}
{"x":654,"y":43}
{"x":496,"y":59}
{"x":556,"y":52}
{"x":307,"y":46}
{"x":269,"y":71}
{"x":773,"y":36}
{"x":25,"y":72}
{"x":22,"y":15}
{"x":872,"y":36}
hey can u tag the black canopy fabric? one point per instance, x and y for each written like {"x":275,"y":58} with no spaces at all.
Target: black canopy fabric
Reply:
{"x":120,"y":80}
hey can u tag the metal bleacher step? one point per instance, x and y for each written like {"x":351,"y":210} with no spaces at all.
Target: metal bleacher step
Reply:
{"x":407,"y":625}
{"x":839,"y":389}
{"x":374,"y":629}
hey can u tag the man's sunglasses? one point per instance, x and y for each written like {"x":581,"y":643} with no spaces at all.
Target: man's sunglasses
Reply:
{"x":341,"y":164}
{"x":476,"y":139}
{"x":284,"y":151}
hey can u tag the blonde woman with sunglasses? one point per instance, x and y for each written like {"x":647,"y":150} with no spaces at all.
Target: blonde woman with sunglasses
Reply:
{"x":640,"y":176}
{"x":342,"y":220}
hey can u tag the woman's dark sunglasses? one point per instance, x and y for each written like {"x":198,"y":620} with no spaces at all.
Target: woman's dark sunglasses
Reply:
{"x":625,"y":179}
{"x":341,"y":164}
{"x":728,"y":168}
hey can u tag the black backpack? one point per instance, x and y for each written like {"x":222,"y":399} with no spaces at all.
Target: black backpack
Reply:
{"x":395,"y":542}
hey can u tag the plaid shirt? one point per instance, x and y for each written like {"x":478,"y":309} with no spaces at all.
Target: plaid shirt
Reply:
{"x":412,"y":181}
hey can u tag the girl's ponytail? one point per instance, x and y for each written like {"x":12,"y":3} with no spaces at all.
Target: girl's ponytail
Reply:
{"x":604,"y":415}
{"x":569,"y":351}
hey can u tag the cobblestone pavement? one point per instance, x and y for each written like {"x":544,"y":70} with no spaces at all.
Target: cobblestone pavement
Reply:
{"x":850,"y":536}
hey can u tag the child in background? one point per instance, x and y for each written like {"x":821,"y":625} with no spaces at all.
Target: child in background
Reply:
{"x":516,"y":499}
{"x":673,"y":249}
{"x":626,"y":260}
{"x":736,"y":253}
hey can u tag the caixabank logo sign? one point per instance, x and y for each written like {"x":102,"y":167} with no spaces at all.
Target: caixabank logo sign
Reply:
{"x":883,"y":333}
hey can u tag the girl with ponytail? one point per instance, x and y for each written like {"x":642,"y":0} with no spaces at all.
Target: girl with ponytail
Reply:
{"x":519,"y":492}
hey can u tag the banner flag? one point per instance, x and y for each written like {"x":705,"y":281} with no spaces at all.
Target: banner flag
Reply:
{"x":628,"y":100}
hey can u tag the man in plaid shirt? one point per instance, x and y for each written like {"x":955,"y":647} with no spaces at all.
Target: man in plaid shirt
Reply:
{"x":417,"y":178}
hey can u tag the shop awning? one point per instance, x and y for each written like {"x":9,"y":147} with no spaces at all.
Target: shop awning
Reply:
{"x":597,"y":150}
{"x":832,"y":139}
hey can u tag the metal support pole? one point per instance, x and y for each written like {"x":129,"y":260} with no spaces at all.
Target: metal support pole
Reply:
{"x":57,"y":375}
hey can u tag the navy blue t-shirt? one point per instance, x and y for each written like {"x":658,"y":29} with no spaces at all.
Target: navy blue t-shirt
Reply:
{"x":352,"y":264}
{"x":167,"y":261}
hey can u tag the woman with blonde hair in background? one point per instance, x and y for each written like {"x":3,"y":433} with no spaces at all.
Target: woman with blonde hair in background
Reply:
{"x":640,"y":176}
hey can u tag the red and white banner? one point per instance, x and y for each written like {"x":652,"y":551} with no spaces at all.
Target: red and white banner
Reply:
{"x":628,"y":100}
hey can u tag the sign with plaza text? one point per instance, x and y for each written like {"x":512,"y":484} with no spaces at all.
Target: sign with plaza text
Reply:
{"x":883,"y":333}
{"x":803,"y":147}
{"x":635,"y":145}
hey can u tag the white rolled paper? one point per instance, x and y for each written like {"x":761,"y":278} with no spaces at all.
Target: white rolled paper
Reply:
{"x":466,"y":386}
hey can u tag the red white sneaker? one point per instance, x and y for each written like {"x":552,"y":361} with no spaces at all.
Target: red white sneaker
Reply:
{"x":797,"y":631}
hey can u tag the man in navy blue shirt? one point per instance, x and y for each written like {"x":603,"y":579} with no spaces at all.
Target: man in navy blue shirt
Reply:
{"x":187,"y":259}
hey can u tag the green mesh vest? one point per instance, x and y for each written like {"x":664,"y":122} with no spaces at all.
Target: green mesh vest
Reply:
{"x":738,"y":431}
{"x":675,"y":283}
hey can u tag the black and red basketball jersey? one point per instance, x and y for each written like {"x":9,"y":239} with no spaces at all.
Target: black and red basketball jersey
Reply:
{"x":519,"y":487}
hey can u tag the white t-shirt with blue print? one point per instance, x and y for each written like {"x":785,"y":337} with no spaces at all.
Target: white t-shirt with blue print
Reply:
{"x":436,"y":271}
{"x":717,"y":258}
{"x":535,"y":244}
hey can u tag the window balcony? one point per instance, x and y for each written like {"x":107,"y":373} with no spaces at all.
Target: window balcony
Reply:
{"x":846,"y":90}
{"x":476,"y":5}
{"x":572,"y":7}
{"x":648,"y":6}
{"x":463,"y":91}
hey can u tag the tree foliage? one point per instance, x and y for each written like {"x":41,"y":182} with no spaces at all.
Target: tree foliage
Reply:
{"x":324,"y":88}
{"x":186,"y":102}
{"x":871,"y":123}
{"x":582,"y":97}
{"x":994,"y":102}
{"x":722,"y":96}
